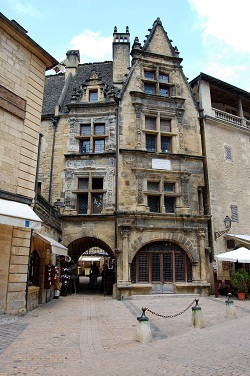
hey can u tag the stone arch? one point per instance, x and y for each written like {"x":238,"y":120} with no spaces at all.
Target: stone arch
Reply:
{"x":77,"y":247}
{"x":179,"y":239}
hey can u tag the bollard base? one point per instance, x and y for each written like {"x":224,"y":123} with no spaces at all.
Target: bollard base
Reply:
{"x":143,"y":334}
{"x":197,"y":319}
{"x":230,"y":310}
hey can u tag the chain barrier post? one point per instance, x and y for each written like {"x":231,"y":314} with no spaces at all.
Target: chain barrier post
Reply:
{"x":197,"y":318}
{"x":230,"y":307}
{"x":143,"y":333}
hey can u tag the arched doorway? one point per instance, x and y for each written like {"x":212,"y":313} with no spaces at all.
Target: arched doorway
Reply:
{"x":162,"y":264}
{"x":85,"y":255}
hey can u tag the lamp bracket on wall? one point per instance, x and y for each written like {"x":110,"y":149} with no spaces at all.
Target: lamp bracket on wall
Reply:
{"x":227,"y":221}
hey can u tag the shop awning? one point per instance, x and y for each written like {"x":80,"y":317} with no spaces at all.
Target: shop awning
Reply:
{"x":243,"y":239}
{"x":14,"y":213}
{"x":56,"y":247}
{"x":241,"y":254}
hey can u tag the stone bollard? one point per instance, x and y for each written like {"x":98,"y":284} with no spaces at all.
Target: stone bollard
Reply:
{"x":230,"y":308}
{"x":197,"y":318}
{"x":143,"y":333}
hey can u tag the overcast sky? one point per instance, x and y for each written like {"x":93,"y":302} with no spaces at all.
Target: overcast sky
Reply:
{"x":212,"y":35}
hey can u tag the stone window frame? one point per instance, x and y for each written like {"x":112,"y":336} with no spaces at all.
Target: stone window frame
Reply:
{"x":154,"y":81}
{"x":158,"y":133}
{"x":91,"y":192}
{"x":161,"y":193}
{"x":92,"y":137}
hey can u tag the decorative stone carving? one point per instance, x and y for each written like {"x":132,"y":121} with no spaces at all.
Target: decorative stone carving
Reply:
{"x":185,"y":189}
{"x":140,"y":197}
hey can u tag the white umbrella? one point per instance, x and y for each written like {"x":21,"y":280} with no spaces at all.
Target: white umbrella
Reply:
{"x":241,"y":254}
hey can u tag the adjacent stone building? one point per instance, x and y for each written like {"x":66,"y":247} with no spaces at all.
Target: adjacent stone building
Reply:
{"x":22,"y":66}
{"x":225,"y":130}
{"x":122,"y":154}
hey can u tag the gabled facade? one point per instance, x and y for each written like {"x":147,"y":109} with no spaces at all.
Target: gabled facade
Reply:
{"x":122,"y":151}
{"x":225,"y":129}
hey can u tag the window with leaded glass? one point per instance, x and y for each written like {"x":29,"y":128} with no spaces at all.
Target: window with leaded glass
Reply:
{"x":93,"y":96}
{"x":165,"y":144}
{"x":142,"y":267}
{"x":169,"y":203}
{"x":163,"y":91}
{"x":153,"y":186}
{"x":149,"y":88}
{"x":150,"y":123}
{"x":165,"y":125}
{"x":84,"y":146}
{"x":168,"y":267}
{"x":149,"y":75}
{"x":168,"y":187}
{"x":154,"y":204}
{"x":163,"y":77}
{"x":155,"y":267}
{"x":179,"y":267}
{"x":82,"y":203}
{"x":83,"y":183}
{"x":85,"y":130}
{"x":99,"y":146}
{"x":97,"y":203}
{"x":150,"y":142}
{"x":99,"y":129}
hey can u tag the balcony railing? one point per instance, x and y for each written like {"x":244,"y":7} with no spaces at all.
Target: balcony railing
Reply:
{"x":47,"y":213}
{"x":232,"y":119}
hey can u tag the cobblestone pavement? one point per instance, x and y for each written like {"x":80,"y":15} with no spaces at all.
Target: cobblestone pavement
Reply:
{"x":96,"y":335}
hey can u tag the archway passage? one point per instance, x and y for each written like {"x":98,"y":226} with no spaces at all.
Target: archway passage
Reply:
{"x":162,"y":264}
{"x":91,"y":266}
{"x":81,"y":245}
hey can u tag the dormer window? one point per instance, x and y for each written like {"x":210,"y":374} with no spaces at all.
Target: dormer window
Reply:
{"x":93,"y":95}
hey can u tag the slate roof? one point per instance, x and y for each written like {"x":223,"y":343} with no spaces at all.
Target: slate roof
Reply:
{"x":55,"y":83}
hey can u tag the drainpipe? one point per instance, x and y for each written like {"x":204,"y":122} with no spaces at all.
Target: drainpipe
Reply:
{"x":116,"y":184}
{"x":55,"y":123}
{"x":37,"y":168}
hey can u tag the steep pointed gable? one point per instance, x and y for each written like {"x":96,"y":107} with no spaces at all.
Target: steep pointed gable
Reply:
{"x":157,"y":41}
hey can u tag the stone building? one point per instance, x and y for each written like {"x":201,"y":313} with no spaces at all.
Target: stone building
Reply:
{"x":122,"y":154}
{"x":22,"y":66}
{"x":225,"y":130}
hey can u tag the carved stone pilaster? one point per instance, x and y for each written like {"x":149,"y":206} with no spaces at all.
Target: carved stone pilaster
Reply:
{"x":110,"y":185}
{"x":138,"y":112}
{"x":140,"y":196}
{"x":125,"y":231}
{"x":185,"y":189}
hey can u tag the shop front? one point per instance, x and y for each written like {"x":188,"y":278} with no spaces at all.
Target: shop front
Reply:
{"x":44,"y":269}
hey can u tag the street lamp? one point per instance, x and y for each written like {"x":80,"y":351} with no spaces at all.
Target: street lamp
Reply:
{"x":58,"y":205}
{"x":227,"y":222}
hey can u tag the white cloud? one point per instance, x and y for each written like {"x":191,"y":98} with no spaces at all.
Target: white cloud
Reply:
{"x":93,"y":47}
{"x":24,"y":7}
{"x":224,"y":72}
{"x":225,"y":20}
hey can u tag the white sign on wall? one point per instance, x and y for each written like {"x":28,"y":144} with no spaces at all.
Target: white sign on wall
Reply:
{"x":161,"y":164}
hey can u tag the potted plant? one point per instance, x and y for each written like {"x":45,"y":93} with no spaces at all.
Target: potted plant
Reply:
{"x":241,"y":279}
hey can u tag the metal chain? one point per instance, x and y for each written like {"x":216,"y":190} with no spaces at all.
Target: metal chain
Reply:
{"x":169,"y":316}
